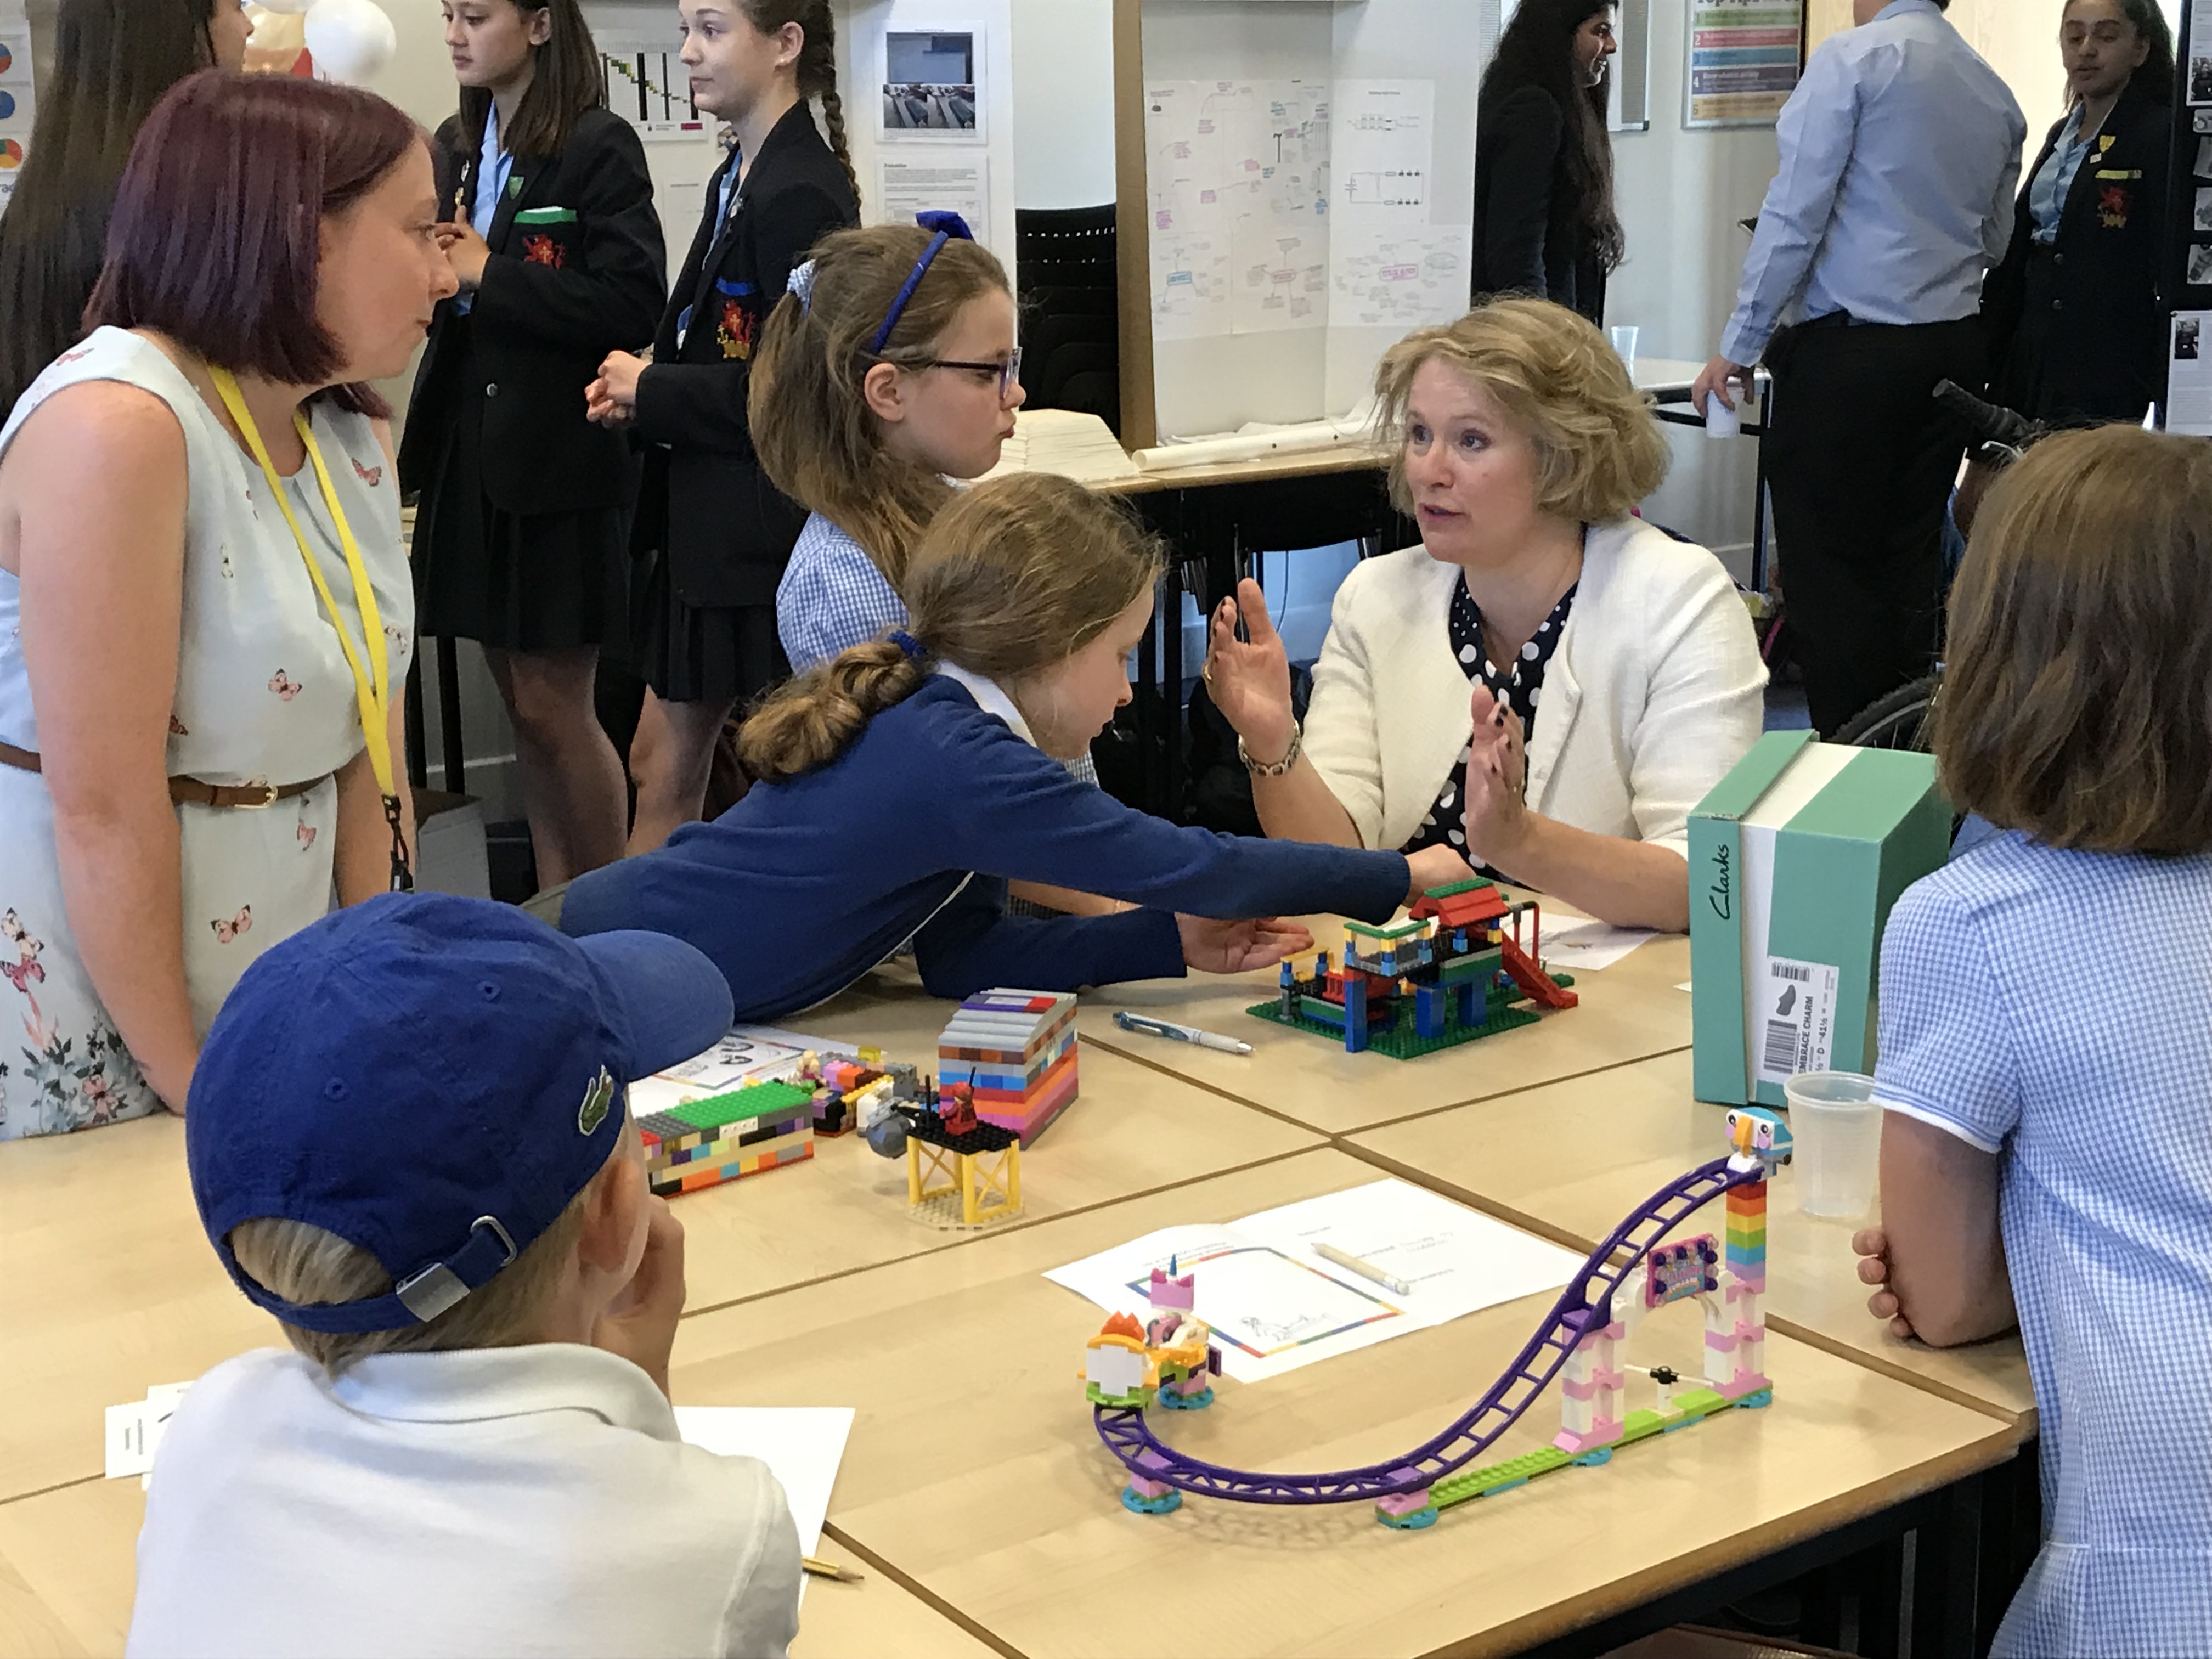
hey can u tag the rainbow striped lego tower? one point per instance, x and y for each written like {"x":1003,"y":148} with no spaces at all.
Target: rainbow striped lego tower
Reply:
{"x":1018,"y":1048}
{"x":1736,"y":1323}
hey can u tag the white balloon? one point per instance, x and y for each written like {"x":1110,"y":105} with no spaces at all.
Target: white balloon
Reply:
{"x":352,"y":40}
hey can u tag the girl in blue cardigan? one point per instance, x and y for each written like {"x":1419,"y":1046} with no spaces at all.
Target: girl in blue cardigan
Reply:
{"x":900,"y":785}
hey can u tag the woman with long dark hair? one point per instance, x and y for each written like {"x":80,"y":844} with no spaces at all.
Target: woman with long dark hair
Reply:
{"x":1544,"y":219}
{"x":522,"y":534}
{"x":2076,"y":332}
{"x":112,"y":61}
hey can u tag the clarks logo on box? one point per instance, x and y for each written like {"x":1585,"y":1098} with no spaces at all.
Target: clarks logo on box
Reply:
{"x":1718,"y":895}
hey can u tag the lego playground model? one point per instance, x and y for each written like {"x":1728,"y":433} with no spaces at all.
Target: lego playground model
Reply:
{"x":961,"y":1171}
{"x":703,"y":1143}
{"x":1577,"y":1345}
{"x":1170,"y":1359}
{"x":1017,"y":1050}
{"x":843,"y":1086}
{"x":1449,"y":974}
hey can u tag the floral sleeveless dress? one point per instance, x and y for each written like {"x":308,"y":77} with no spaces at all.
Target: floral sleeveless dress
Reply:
{"x":264,"y":694}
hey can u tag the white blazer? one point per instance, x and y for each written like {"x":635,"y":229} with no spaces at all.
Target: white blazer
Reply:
{"x":1654,"y":692}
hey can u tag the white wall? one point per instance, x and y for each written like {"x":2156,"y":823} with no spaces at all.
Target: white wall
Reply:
{"x":1063,"y":103}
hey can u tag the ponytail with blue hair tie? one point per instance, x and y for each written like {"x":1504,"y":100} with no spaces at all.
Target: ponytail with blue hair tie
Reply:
{"x":947,"y":227}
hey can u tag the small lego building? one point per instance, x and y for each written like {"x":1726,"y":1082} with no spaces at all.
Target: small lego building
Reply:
{"x":1184,"y":1358}
{"x":1449,"y":974}
{"x":1018,"y":1050}
{"x":968,"y":1176}
{"x":703,"y":1143}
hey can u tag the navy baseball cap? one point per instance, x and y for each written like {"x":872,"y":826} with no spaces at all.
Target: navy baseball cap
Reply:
{"x":433,"y":1080}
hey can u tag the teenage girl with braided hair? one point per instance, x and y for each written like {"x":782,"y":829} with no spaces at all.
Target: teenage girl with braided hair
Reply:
{"x":713,"y":533}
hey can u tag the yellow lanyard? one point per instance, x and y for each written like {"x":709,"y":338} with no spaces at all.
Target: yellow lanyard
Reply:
{"x":372,"y":685}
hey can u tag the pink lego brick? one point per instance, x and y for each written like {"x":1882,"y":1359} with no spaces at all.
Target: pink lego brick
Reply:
{"x":1404,"y":1503}
{"x":1721,"y":1341}
{"x":1581,"y":1390}
{"x":1741,"y":1383}
{"x":1145,"y":1488}
{"x":1605,"y":1431}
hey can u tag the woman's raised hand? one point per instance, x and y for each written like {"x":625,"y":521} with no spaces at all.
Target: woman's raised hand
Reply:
{"x":1249,"y":680}
{"x":1497,"y":782}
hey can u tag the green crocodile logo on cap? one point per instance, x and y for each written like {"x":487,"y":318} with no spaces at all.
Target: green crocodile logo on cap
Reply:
{"x":597,"y":1099}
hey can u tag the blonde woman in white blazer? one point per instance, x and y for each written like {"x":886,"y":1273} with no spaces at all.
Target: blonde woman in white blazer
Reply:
{"x":1546,"y":684}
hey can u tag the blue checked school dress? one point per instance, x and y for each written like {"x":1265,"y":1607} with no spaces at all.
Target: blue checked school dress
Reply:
{"x":2054,"y":1008}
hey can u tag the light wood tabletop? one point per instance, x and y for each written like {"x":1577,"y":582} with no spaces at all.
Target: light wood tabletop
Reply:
{"x":1628,"y":1011}
{"x":974,"y":1468}
{"x":112,"y":1280}
{"x":1580,"y":1154}
{"x":67,"y":1571}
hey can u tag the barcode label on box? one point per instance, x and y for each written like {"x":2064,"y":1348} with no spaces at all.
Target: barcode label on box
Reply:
{"x":1797,"y":1004}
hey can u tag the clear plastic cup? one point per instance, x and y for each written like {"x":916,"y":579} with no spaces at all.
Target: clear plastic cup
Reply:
{"x":1835,"y":1127}
{"x":1624,"y":337}
{"x":1721,"y":421}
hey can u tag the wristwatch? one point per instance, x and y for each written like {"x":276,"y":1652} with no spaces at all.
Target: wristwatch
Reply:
{"x":1278,"y":768}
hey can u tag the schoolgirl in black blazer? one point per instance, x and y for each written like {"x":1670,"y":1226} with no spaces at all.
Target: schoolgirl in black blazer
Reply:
{"x":713,"y":535}
{"x":2075,"y":331}
{"x":522,"y":527}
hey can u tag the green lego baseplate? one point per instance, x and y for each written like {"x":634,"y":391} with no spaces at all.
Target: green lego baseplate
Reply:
{"x":1399,"y":1041}
{"x":754,"y":1100}
{"x":1691,"y":1406}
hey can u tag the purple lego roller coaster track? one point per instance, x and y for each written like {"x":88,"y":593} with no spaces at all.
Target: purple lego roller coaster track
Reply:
{"x":1586,"y":1304}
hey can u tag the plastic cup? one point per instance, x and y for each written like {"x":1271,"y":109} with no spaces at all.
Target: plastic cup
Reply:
{"x":1835,"y":1127}
{"x":1721,"y":421}
{"x":1624,"y":342}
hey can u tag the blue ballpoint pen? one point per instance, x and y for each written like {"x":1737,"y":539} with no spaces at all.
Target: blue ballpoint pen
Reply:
{"x":1174,"y":1033}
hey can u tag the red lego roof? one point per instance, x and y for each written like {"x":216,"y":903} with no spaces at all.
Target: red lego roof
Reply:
{"x":1461,"y":909}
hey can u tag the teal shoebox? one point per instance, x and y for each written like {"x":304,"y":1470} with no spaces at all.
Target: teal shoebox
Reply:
{"x":1794,"y":859}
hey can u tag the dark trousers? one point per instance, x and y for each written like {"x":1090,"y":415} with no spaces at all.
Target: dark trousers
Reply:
{"x":1862,"y":462}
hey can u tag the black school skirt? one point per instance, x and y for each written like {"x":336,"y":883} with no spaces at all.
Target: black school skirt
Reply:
{"x":527,"y":582}
{"x":695,"y":654}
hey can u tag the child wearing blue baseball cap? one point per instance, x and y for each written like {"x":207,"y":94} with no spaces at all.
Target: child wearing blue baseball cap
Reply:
{"x":408,"y":1140}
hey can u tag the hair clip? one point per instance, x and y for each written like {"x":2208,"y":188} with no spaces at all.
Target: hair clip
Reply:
{"x":915,"y":651}
{"x":802,"y":284}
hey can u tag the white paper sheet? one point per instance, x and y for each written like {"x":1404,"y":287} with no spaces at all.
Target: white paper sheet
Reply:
{"x":802,"y":1445}
{"x":2189,"y":387}
{"x":1276,"y":1306}
{"x":1584,"y":947}
{"x":1455,"y":1261}
{"x":134,"y":1432}
{"x":946,"y":184}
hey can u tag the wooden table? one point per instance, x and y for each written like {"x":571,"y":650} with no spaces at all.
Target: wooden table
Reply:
{"x":67,"y":1573}
{"x":112,"y":1280}
{"x":1629,"y":1011}
{"x":1574,"y":1157}
{"x":973,"y":1467}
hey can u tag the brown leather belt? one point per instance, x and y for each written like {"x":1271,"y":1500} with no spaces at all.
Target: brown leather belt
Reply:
{"x":190,"y":791}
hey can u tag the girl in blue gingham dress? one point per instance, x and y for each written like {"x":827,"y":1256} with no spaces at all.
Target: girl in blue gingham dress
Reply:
{"x":2046,"y":1029}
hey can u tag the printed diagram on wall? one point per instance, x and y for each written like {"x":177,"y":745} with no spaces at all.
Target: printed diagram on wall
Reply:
{"x":1296,"y":204}
{"x":648,"y":86}
{"x":1238,"y":176}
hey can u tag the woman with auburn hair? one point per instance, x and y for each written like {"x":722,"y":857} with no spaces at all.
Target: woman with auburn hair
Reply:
{"x":204,"y":604}
{"x":2046,"y":1062}
{"x":112,"y":61}
{"x":1522,"y":451}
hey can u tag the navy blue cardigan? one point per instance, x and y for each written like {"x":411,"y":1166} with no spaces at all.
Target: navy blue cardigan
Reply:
{"x":805,"y":884}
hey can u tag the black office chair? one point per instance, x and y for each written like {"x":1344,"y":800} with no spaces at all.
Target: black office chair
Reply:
{"x":1070,"y":322}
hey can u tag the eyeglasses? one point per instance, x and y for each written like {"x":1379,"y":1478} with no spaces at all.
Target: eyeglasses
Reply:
{"x":1008,"y":372}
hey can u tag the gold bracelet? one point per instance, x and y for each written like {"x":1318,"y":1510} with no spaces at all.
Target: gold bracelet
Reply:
{"x":1261,"y":770}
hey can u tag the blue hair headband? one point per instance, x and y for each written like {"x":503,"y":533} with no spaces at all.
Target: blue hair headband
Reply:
{"x":948,"y":227}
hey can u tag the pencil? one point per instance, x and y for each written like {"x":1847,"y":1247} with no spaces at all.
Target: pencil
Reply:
{"x":831,"y":1569}
{"x":1364,"y":1269}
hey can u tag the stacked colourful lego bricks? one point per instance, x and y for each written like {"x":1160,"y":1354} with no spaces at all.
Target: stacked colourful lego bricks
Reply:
{"x":1018,"y":1050}
{"x":706,"y":1142}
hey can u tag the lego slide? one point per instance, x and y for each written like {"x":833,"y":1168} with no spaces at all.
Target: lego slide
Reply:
{"x":1586,"y":1303}
{"x":1538,"y":987}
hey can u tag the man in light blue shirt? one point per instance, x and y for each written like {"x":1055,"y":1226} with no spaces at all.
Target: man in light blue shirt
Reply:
{"x":1900,"y":156}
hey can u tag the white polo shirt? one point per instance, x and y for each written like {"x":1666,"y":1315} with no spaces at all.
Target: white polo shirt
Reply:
{"x":528,"y":1500}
